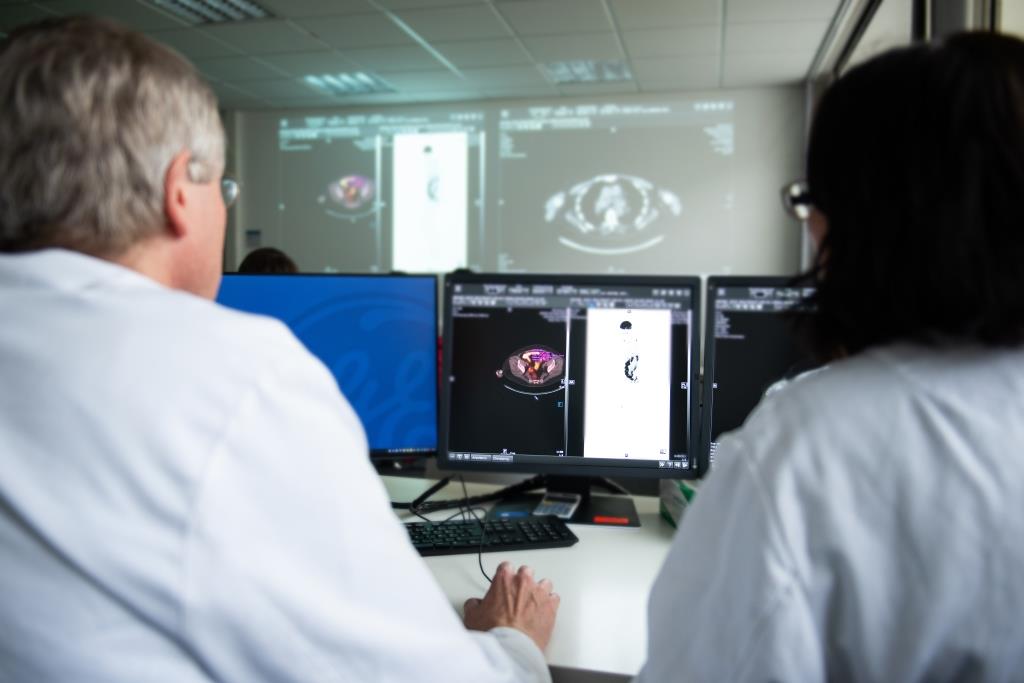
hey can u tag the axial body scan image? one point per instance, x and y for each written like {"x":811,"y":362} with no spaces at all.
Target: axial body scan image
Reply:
{"x":533,"y":367}
{"x":352,"y":191}
{"x":611,"y":213}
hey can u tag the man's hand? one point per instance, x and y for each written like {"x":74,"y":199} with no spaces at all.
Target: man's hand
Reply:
{"x":515,"y":599}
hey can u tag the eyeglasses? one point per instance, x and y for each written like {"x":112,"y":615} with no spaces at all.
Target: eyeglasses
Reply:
{"x":229,"y":190}
{"x":229,"y":187}
{"x":797,"y":199}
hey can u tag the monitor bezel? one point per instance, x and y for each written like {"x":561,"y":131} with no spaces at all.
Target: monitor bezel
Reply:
{"x":378,"y":454}
{"x":708,"y":375}
{"x":668,"y":281}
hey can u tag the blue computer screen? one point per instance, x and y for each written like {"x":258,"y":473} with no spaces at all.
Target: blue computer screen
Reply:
{"x":377,"y":334}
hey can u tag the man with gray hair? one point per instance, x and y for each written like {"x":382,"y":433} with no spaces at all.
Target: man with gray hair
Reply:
{"x":184,"y":493}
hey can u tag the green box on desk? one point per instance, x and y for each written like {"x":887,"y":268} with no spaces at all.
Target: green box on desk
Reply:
{"x":676,"y":495}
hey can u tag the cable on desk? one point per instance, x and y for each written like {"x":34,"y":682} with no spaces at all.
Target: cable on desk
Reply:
{"x":483,"y":533}
{"x":523,"y":486}
{"x":466,"y":506}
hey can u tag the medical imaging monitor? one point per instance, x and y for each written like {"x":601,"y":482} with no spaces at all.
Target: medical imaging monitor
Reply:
{"x":377,"y":334}
{"x":570,"y":376}
{"x":750,"y":348}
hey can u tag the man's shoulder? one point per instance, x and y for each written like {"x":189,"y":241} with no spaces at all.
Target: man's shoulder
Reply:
{"x":218,"y":330}
{"x":195,"y":347}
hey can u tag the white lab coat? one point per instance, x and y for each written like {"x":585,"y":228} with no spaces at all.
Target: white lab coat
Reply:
{"x":186,"y":496}
{"x":865,"y":524}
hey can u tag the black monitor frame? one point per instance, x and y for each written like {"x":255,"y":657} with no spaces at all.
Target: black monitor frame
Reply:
{"x":575,"y":468}
{"x":382,"y":457}
{"x":708,"y":379}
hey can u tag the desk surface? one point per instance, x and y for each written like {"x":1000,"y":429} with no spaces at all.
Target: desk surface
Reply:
{"x":604,"y":581}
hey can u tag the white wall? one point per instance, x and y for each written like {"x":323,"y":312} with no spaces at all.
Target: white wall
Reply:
{"x":1011,"y":17}
{"x":731,"y":221}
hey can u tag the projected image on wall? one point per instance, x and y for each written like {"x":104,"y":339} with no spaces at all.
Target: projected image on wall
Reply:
{"x":349,"y":197}
{"x":604,"y":188}
{"x":431,"y":190}
{"x":611,"y":214}
{"x":653,"y":183}
{"x":329,"y":194}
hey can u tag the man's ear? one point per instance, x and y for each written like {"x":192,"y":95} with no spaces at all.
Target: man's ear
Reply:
{"x":176,"y":195}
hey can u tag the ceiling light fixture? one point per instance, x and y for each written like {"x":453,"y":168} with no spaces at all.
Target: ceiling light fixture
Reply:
{"x":356,"y":83}
{"x":213,"y":11}
{"x":588,"y":71}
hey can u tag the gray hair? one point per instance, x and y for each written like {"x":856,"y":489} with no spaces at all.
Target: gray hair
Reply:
{"x":92,"y":115}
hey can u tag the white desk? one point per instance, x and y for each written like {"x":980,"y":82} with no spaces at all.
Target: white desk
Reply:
{"x":604,"y":581}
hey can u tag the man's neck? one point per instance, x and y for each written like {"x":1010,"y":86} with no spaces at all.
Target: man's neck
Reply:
{"x":150,"y":258}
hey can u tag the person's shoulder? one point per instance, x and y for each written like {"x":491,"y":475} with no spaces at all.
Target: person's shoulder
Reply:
{"x":877,"y":415}
{"x":835,"y":412}
{"x":220,"y":335}
{"x":844,"y":387}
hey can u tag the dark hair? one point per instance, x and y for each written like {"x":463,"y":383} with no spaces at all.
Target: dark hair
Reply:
{"x":267,"y":260}
{"x":916,"y":159}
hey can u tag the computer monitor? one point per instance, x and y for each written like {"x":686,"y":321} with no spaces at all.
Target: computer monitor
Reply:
{"x":377,"y":334}
{"x":571,"y":376}
{"x":750,"y":345}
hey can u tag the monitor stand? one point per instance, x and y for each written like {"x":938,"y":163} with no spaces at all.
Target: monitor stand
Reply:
{"x":616,"y":509}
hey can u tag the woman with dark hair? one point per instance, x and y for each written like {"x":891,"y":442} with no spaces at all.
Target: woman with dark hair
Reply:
{"x":865,"y":523}
{"x":267,"y":260}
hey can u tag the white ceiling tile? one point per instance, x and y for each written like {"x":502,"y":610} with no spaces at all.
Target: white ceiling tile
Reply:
{"x":391,"y":59}
{"x":781,"y":10}
{"x":133,"y":14}
{"x":580,"y":46}
{"x":282,"y":88}
{"x":519,"y":91}
{"x":425,"y":81}
{"x":764,"y":68}
{"x":540,"y":17}
{"x":358,"y":30}
{"x":18,"y":15}
{"x":264,"y":37}
{"x":231,"y":96}
{"x":679,"y":72}
{"x":237,"y":69}
{"x":417,"y":4}
{"x":243,"y":104}
{"x":597,"y":89}
{"x":305,"y":63}
{"x":776,"y":36}
{"x":636,"y":14}
{"x":506,"y":76}
{"x":466,"y":22}
{"x":321,"y":101}
{"x":469,"y":54}
{"x":315,"y":8}
{"x":670,"y":44}
{"x":194,"y":44}
{"x":681,"y":41}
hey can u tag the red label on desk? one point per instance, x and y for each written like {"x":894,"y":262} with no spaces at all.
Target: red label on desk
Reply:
{"x":604,"y":519}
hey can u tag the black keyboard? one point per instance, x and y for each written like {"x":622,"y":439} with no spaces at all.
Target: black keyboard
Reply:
{"x":463,"y":536}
